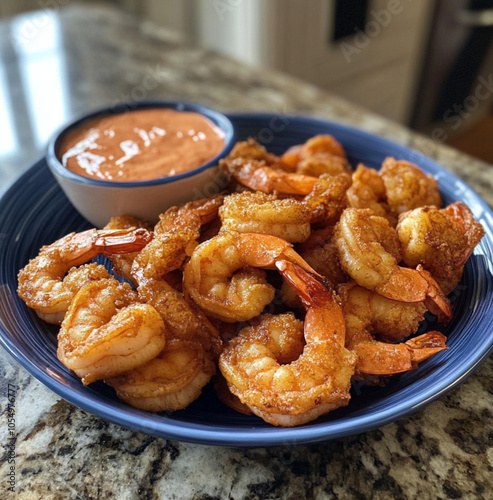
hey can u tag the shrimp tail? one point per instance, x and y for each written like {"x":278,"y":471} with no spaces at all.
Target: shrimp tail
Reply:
{"x":425,"y":346}
{"x":379,"y":358}
{"x":323,"y":311}
{"x":436,"y":302}
{"x":116,"y":241}
{"x":255,"y":175}
{"x":425,"y":289}
{"x":264,"y":251}
{"x":308,"y":285}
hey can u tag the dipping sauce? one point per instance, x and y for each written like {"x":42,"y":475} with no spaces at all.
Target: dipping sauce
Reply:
{"x":141,"y":145}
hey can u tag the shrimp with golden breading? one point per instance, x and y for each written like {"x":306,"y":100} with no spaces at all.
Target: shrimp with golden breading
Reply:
{"x":252,"y":167}
{"x":324,"y":258}
{"x":388,"y":320}
{"x":441,"y":240}
{"x":280,"y":379}
{"x":321,"y":154}
{"x":176,"y":376}
{"x":262,"y":213}
{"x":170,"y":381}
{"x":368,"y":191}
{"x":322,"y":144}
{"x":107,"y":331}
{"x":165,"y":254}
{"x":323,"y":164}
{"x":193,"y":215}
{"x":175,"y":236}
{"x":224,"y":275}
{"x":328,"y":198}
{"x":407,"y":186}
{"x":369,"y":315}
{"x":252,"y":150}
{"x":44,"y":284}
{"x":369,"y":251}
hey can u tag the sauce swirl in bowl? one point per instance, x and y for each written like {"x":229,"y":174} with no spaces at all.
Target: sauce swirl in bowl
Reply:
{"x":141,"y":145}
{"x":155,"y":173}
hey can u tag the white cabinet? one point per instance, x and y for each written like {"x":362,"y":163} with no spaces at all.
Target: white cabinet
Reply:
{"x":377,"y":69}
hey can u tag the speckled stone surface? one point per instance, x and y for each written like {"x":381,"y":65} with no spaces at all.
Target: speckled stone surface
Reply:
{"x":443,"y":451}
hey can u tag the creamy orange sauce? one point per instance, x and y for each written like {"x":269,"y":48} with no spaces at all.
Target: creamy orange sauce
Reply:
{"x":141,"y":145}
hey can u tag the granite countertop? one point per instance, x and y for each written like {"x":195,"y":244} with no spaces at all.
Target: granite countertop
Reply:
{"x":95,"y":56}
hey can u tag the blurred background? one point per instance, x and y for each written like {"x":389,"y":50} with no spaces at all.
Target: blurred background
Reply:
{"x":427,"y":64}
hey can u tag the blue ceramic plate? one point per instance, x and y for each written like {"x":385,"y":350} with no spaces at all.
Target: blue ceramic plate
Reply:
{"x":35,"y":212}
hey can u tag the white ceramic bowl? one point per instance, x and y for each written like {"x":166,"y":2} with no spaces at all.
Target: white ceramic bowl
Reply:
{"x":98,"y":200}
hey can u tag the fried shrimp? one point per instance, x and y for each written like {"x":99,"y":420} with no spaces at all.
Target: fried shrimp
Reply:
{"x":183,"y":319}
{"x":361,"y":257}
{"x":252,"y":150}
{"x":42,"y":284}
{"x":176,"y":235}
{"x":407,"y":186}
{"x":318,"y":156}
{"x":224,"y":276}
{"x":262,"y":213}
{"x":325,"y":260}
{"x":328,"y":198}
{"x":106,"y":332}
{"x":441,"y":240}
{"x":165,"y":254}
{"x":192,"y":215}
{"x":387,"y":320}
{"x":368,"y":191}
{"x":170,"y":381}
{"x":369,"y":252}
{"x":122,"y":263}
{"x":255,"y":175}
{"x":368,"y":315}
{"x":323,"y":164}
{"x":176,"y":377}
{"x":281,"y":380}
{"x":322,"y":146}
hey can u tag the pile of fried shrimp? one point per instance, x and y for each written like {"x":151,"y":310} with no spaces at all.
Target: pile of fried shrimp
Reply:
{"x":303,"y":277}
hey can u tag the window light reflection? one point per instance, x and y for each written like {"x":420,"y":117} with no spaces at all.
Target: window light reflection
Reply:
{"x":8,"y":139}
{"x":42,"y":71}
